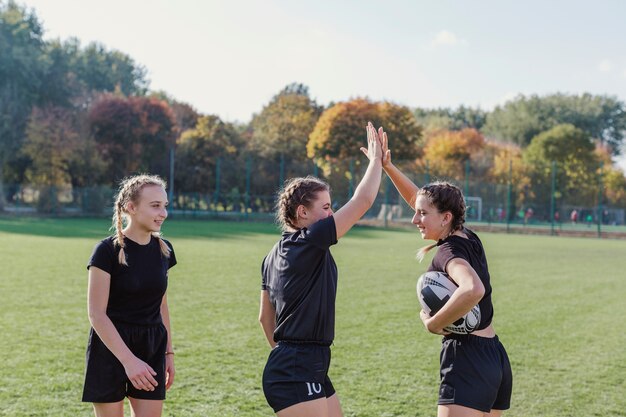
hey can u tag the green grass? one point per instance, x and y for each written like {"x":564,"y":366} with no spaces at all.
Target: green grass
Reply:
{"x":558,"y":302}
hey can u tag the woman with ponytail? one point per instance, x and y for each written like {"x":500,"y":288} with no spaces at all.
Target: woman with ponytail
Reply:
{"x":476,"y":378}
{"x":130,"y":344}
{"x":299,"y":285}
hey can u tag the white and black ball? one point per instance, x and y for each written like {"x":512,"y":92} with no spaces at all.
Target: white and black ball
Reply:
{"x":434,"y":289}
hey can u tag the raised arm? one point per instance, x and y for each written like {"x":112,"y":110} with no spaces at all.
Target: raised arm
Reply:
{"x":406,"y":187}
{"x":366,"y":192}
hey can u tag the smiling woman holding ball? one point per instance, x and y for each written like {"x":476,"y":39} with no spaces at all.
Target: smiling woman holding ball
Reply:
{"x":476,"y":377}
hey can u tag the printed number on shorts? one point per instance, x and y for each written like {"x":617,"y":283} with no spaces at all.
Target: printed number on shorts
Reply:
{"x":313,"y":388}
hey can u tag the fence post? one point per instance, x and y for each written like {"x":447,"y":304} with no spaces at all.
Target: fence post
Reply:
{"x":387,"y":183}
{"x":467,"y":170}
{"x":553,"y":190}
{"x":427,"y":173}
{"x":247,"y":197}
{"x":315,"y":174}
{"x":600,"y":185}
{"x":282,"y":170}
{"x":508,"y":196}
{"x":171,"y":184}
{"x":351,"y":182}
{"x":217,"y":184}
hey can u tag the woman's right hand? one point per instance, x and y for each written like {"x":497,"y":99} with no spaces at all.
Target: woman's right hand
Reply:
{"x":141,"y":375}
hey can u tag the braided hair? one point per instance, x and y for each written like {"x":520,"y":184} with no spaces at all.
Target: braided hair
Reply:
{"x":297,"y":191}
{"x":130,"y":191}
{"x":444,"y":196}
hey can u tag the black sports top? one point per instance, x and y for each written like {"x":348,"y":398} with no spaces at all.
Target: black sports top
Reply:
{"x":136,"y":290}
{"x":300,"y":275}
{"x":472,"y":251}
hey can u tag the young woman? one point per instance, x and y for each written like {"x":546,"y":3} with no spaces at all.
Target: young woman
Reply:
{"x":476,"y":378}
{"x":130,"y":345}
{"x":299,"y":285}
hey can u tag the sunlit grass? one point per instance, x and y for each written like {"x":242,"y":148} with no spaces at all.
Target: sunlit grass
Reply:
{"x":558,"y":302}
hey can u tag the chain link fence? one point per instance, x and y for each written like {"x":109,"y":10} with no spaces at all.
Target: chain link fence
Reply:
{"x":247,"y":191}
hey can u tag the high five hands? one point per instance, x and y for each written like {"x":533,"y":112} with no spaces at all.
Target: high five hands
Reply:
{"x":375,"y":140}
{"x":374,"y":148}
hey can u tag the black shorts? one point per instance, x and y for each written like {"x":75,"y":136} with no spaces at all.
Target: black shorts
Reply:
{"x":105,"y":377}
{"x":296,"y":373}
{"x":475,"y":373}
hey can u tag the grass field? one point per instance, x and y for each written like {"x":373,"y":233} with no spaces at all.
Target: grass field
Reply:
{"x":558,"y":302}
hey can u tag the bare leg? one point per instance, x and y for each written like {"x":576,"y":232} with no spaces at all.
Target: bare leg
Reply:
{"x":457,"y":411}
{"x":145,"y":408}
{"x":109,"y":409}
{"x":322,"y":407}
{"x":334,"y":407}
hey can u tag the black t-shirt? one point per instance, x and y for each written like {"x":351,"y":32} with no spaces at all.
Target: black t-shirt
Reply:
{"x":136,"y":290}
{"x":472,"y":251}
{"x":300,"y":275}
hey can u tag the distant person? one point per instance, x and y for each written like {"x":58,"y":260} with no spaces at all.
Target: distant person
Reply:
{"x":528,"y":215}
{"x":299,"y":285}
{"x":130,"y":345}
{"x":475,"y":373}
{"x":557,"y":216}
{"x":574,"y":216}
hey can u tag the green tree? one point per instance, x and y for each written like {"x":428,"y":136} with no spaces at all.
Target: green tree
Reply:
{"x":449,"y":119}
{"x":21,"y":71}
{"x":197,"y":152}
{"x":521,"y":119}
{"x":577,"y":165}
{"x":285,"y":123}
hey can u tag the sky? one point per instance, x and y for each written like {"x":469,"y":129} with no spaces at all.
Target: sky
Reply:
{"x":230,"y":57}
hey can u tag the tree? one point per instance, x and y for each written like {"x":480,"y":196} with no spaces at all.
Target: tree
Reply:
{"x":284,"y":125}
{"x":103,"y":70}
{"x":448,"y":119}
{"x":447,"y":152}
{"x":577,"y":164}
{"x":340,"y":131}
{"x":51,"y":142}
{"x":197,"y":152}
{"x":133,"y":135}
{"x":521,"y":119}
{"x":21,"y":69}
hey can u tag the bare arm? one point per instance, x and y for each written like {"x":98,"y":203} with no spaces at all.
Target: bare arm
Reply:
{"x":366,"y":192}
{"x":170,"y":370}
{"x":406,"y":187}
{"x":267,"y":317}
{"x":140,"y":373}
{"x":469,"y":293}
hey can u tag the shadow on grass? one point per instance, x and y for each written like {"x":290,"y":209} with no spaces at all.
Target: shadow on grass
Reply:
{"x":98,"y":228}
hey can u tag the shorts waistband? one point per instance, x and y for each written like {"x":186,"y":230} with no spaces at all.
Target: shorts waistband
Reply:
{"x":305,"y":343}
{"x":470,"y":338}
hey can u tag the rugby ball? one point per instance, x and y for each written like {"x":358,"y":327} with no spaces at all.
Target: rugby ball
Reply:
{"x":434,"y":289}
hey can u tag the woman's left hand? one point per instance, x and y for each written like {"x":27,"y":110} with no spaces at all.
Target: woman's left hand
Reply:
{"x":170,"y":371}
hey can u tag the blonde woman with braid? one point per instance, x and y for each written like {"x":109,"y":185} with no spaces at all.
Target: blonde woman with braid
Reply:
{"x":299,"y":285}
{"x":475,"y":373}
{"x":130,"y":345}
